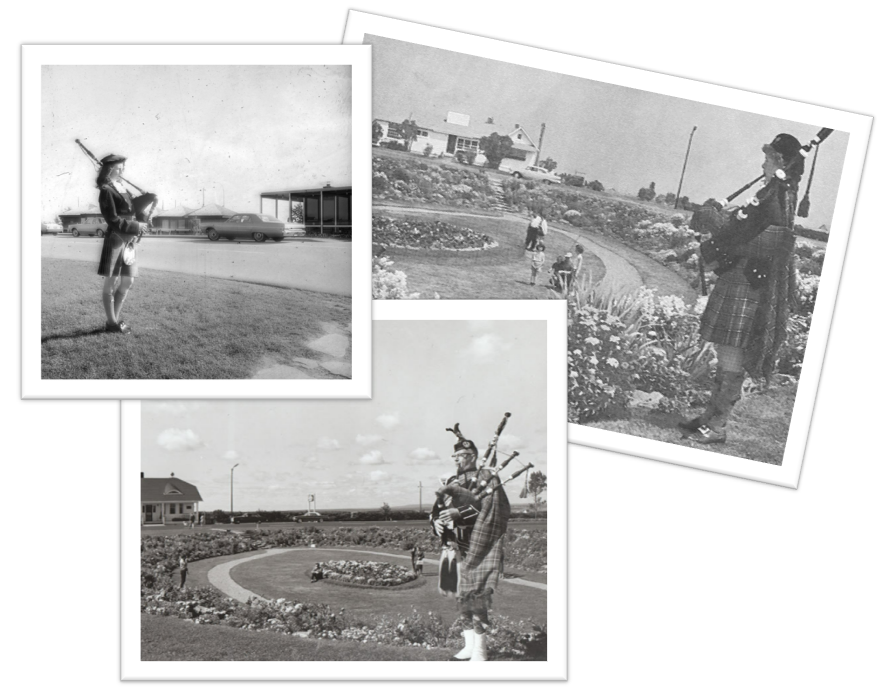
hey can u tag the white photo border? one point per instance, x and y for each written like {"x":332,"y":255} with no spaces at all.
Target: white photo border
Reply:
{"x":34,"y":57}
{"x":858,"y":128}
{"x":556,"y":668}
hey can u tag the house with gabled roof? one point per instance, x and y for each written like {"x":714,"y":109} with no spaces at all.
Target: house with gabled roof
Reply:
{"x":458,"y":133}
{"x":175,"y":220}
{"x":168,"y":499}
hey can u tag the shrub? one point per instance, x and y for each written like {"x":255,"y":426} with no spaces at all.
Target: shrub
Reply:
{"x":389,"y":283}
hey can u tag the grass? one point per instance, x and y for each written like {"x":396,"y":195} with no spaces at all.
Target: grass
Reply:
{"x":173,"y":639}
{"x":757,"y":429}
{"x":498,"y":273}
{"x":184,"y":327}
{"x":287,"y":576}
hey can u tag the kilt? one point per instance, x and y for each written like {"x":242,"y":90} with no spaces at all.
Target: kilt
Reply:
{"x":111,"y":264}
{"x":731,"y":309}
{"x":733,"y":305}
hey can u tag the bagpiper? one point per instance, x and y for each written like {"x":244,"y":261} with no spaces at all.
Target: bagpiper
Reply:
{"x":471,"y":516}
{"x":751,"y":250}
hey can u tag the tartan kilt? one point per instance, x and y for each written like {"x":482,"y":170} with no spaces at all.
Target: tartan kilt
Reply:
{"x":731,"y":309}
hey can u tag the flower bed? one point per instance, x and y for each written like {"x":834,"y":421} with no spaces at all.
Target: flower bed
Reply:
{"x":160,"y":595}
{"x":411,"y":180}
{"x":416,"y":234}
{"x":372,"y":574}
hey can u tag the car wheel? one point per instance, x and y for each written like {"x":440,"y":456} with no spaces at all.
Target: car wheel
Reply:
{"x":259,"y":236}
{"x":517,"y":175}
{"x":74,"y":233}
{"x":213,"y":235}
{"x":99,"y":233}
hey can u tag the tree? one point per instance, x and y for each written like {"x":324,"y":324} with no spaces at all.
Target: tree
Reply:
{"x":386,"y":511}
{"x":647,"y":194}
{"x":548,"y":164}
{"x":495,"y":148}
{"x":670,"y":198}
{"x":538,"y":484}
{"x":297,"y":213}
{"x":377,"y":131}
{"x":596,"y":186}
{"x":408,"y":129}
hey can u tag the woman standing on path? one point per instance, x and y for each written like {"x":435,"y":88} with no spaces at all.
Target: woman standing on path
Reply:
{"x":748,"y":309}
{"x":115,"y":266}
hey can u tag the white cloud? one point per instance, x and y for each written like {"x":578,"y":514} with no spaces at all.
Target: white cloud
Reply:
{"x":485,"y":348}
{"x":177,"y":440}
{"x":507,"y":443}
{"x":326,"y":443}
{"x":372,"y":457}
{"x":230,"y":454}
{"x":378,"y":475}
{"x":389,"y":420}
{"x":366,"y":440}
{"x":423,"y":454}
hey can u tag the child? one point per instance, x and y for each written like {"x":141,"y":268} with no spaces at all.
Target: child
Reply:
{"x":538,"y":259}
{"x":420,"y":560}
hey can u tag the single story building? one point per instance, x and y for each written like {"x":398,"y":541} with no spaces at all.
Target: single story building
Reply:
{"x":89,"y":215}
{"x":457,"y":133}
{"x":327,"y":211}
{"x":177,"y":220}
{"x":211,"y":212}
{"x":168,"y":499}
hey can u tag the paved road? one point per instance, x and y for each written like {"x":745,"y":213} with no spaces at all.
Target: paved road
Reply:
{"x":219,"y":576}
{"x":314,"y":264}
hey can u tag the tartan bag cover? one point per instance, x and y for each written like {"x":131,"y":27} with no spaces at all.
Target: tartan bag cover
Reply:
{"x":480,"y":570}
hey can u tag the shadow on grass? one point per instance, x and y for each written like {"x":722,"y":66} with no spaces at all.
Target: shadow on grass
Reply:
{"x":74,"y":334}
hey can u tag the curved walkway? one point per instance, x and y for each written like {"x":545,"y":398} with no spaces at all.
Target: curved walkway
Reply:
{"x":622,"y":276}
{"x":219,"y":576}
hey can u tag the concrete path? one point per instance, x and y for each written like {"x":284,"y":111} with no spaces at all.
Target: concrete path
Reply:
{"x":622,"y":277}
{"x":313,"y":264}
{"x":220,"y":578}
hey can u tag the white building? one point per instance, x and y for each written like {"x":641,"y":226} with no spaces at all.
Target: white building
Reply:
{"x":457,"y":133}
{"x":168,"y":499}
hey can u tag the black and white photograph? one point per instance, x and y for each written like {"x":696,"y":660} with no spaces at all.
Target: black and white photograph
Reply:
{"x":697,"y":233}
{"x":198,"y":222}
{"x":425,"y":524}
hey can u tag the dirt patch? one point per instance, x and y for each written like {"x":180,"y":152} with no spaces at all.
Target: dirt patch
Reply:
{"x":334,"y":358}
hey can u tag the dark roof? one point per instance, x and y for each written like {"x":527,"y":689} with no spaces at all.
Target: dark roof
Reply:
{"x":309,"y":190}
{"x":213,"y":210}
{"x":168,"y":490}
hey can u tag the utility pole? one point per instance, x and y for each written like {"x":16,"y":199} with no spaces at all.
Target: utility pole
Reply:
{"x":541,"y":138}
{"x":420,"y":497}
{"x":230,"y":491}
{"x":682,"y":177}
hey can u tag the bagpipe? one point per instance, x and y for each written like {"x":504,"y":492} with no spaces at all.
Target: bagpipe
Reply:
{"x":713,"y":218}
{"x":144,"y":205}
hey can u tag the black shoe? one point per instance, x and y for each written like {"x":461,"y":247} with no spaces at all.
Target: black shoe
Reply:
{"x":705,"y":435}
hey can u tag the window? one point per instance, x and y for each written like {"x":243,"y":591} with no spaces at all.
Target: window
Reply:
{"x":467,"y":144}
{"x":172,"y":508}
{"x":421,"y":132}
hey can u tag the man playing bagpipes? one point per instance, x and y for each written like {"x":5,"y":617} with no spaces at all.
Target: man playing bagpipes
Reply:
{"x":471,"y":516}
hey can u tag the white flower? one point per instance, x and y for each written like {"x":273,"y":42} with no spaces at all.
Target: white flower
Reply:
{"x":612,"y":362}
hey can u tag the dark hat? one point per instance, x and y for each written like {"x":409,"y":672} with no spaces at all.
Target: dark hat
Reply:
{"x":463,"y":445}
{"x":113,"y":158}
{"x":785,"y":144}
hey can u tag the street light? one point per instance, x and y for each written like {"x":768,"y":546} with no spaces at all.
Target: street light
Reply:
{"x":230,"y":491}
{"x":682,"y":177}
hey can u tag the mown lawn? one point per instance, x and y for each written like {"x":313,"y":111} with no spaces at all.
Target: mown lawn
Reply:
{"x":498,"y":273}
{"x":288,"y":576}
{"x":173,"y":639}
{"x":757,"y":430}
{"x":184,"y":326}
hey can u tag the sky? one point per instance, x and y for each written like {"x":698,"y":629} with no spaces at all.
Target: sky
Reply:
{"x":235,"y":131}
{"x":623,"y":137}
{"x":428,"y":375}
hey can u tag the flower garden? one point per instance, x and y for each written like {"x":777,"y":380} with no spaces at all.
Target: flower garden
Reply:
{"x":421,"y":182}
{"x":414,"y":234}
{"x":365,"y":573}
{"x":160,"y":594}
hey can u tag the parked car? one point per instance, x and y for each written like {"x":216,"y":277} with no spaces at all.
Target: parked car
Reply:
{"x":309,"y":518}
{"x":533,"y":172}
{"x":256,"y":226}
{"x":89,"y":226}
{"x":50,"y":228}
